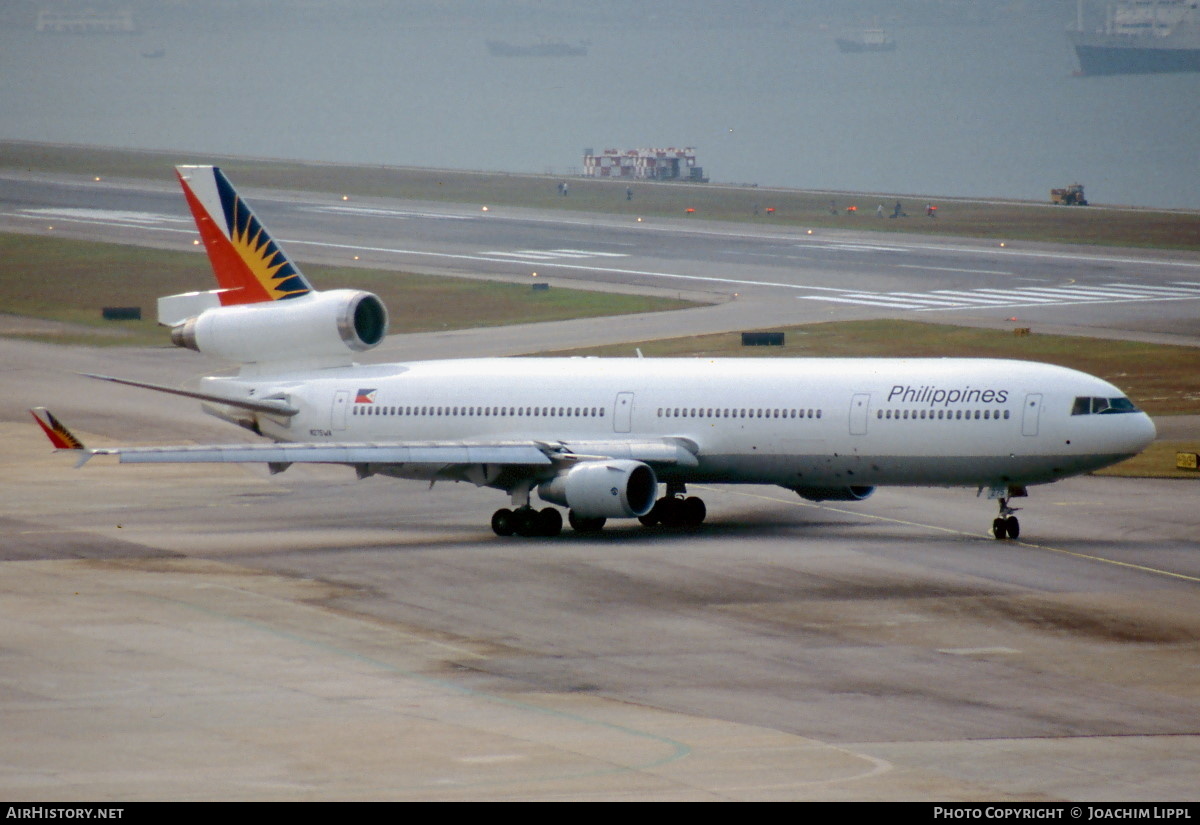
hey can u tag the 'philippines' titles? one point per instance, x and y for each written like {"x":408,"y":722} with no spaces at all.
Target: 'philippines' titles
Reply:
{"x":932,"y":395}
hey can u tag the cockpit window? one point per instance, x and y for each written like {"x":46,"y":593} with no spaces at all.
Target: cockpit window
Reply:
{"x":1102,"y":406}
{"x":1121,"y":405}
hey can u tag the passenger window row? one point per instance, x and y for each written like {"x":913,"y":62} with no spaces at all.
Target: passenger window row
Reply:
{"x":942,"y":415}
{"x":709,"y":412}
{"x":499,"y":412}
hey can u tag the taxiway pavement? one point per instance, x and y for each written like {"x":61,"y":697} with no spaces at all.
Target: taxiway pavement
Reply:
{"x":215,"y":633}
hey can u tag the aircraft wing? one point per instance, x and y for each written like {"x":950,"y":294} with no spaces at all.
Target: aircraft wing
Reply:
{"x":433,"y":457}
{"x":334,"y":453}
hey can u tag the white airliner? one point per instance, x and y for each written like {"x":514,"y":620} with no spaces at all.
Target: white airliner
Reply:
{"x":600,"y":435}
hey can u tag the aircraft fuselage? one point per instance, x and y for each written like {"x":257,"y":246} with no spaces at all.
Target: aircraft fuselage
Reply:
{"x":795,"y":422}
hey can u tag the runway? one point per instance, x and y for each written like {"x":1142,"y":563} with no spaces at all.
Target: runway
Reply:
{"x":215,"y":633}
{"x":770,"y":275}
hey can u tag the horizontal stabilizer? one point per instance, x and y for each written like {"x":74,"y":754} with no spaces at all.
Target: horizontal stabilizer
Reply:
{"x":262,"y":405}
{"x":175,"y":309}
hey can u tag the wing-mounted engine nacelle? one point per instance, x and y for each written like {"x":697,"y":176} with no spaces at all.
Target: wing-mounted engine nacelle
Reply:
{"x":336,"y":323}
{"x":604,"y":489}
{"x":852,"y":493}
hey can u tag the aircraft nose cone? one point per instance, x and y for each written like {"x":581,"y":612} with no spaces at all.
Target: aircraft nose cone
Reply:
{"x":1151,"y":431}
{"x":1141,"y":433}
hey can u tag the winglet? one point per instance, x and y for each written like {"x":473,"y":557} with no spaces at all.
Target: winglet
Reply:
{"x":59,"y":435}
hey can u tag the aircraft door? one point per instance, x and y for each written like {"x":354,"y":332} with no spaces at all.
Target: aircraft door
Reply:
{"x":623,"y":412}
{"x":1029,"y":417}
{"x":341,"y":400}
{"x":860,"y":405}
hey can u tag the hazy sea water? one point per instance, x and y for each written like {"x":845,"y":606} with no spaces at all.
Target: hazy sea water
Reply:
{"x":956,"y":110}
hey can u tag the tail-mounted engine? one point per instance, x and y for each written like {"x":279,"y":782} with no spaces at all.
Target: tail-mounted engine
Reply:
{"x":604,"y":489}
{"x":319,"y":325}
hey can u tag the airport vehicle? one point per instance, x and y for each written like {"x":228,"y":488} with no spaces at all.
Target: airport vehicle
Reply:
{"x":1069,"y":195}
{"x":600,"y":435}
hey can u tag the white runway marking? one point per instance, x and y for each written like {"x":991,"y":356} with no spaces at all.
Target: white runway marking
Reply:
{"x":956,"y":269}
{"x":538,"y":255}
{"x":852,"y":247}
{"x":943,"y":299}
{"x":113,"y":217}
{"x":373,"y":212}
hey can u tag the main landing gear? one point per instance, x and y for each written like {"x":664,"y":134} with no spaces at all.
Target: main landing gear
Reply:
{"x":526,"y":521}
{"x":674,"y":510}
{"x":1005,"y":525}
{"x":523,"y":520}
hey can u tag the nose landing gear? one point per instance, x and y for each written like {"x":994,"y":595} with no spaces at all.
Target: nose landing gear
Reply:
{"x":1005,"y":525}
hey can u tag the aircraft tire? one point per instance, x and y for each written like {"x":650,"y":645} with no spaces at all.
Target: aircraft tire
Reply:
{"x":586,"y":525}
{"x":670,"y":512}
{"x":525,"y":522}
{"x":1012,"y":527}
{"x":693,"y":511}
{"x":502,"y":522}
{"x":1000,"y":528}
{"x":654,"y":516}
{"x":549,"y":522}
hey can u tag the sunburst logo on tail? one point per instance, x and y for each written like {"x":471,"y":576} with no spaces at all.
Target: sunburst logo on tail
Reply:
{"x":262,"y":256}
{"x":248,"y":264}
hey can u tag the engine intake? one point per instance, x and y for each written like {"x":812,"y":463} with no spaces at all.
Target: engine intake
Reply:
{"x":317,"y":325}
{"x":610,"y":489}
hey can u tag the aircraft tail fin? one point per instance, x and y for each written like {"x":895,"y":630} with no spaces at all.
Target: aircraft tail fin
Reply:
{"x":249,"y":265}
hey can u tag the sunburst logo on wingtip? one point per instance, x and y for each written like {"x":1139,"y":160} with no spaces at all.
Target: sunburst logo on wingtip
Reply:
{"x":55,"y":430}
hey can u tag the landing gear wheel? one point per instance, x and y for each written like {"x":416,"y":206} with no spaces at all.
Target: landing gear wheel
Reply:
{"x":1000,"y":528}
{"x":653,"y":517}
{"x":1005,"y":525}
{"x":670,"y":511}
{"x":502,"y":522}
{"x":693,"y":511}
{"x":581,"y":524}
{"x":525,"y":521}
{"x":1013,"y":526}
{"x":549,"y":522}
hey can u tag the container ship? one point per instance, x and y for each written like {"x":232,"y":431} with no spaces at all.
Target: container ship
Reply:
{"x":542,"y":48}
{"x":1140,"y":37}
